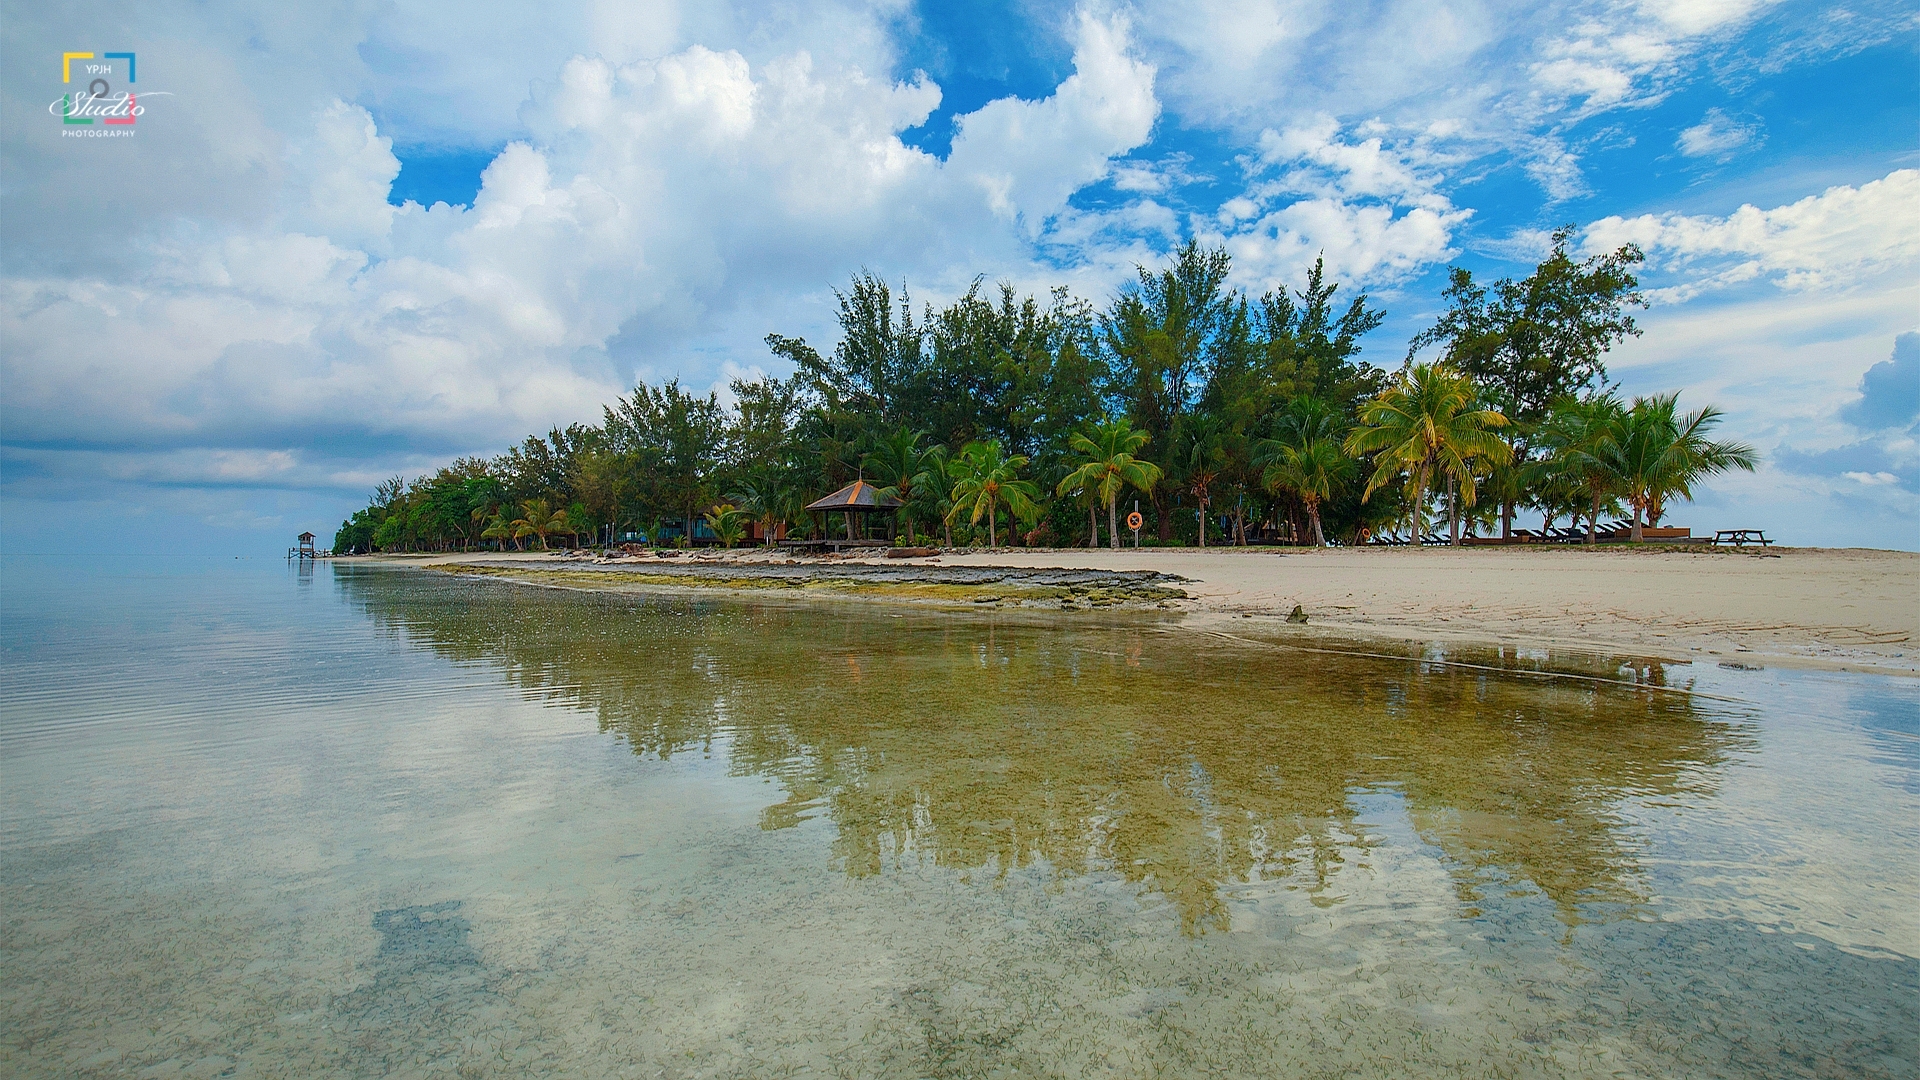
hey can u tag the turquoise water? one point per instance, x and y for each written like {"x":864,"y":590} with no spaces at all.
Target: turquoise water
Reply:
{"x":258,"y":821}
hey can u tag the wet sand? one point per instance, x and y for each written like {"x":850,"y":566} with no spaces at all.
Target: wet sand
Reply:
{"x":1849,"y":609}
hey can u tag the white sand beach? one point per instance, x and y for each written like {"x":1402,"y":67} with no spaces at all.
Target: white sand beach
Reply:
{"x":1852,"y":609}
{"x":1856,"y":609}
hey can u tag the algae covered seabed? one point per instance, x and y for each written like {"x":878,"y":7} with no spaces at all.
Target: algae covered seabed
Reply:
{"x":370,"y":821}
{"x":1046,"y":588}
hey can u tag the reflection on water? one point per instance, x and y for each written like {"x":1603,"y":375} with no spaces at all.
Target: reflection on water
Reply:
{"x":364,"y":822}
{"x":1180,"y":761}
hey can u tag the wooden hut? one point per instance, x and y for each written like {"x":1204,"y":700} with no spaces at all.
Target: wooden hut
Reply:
{"x":858,"y":498}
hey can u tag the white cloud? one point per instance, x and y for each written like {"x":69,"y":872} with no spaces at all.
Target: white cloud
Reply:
{"x":1361,"y":244}
{"x":1028,"y":156}
{"x":652,"y":201}
{"x":1841,"y":236}
{"x":1156,"y":177}
{"x":1497,"y":77}
{"x":346,"y":168}
{"x":1373,"y":207}
{"x":1695,"y":17}
{"x":1626,"y":54}
{"x":1717,"y":135}
{"x":1316,"y":159}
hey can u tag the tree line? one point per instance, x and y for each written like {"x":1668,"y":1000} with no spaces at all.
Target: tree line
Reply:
{"x":1228,"y":418}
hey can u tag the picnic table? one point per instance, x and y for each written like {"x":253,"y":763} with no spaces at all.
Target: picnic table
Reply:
{"x":1741,"y":537}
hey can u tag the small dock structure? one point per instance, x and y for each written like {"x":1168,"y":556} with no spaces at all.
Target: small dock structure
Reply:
{"x":306,"y":551}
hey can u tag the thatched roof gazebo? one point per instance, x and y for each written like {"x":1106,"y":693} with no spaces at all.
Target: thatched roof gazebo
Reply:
{"x":858,"y":497}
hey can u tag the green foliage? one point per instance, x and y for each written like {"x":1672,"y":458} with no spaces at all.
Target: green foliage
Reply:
{"x":1306,"y":458}
{"x":1534,"y":341}
{"x":905,"y":467}
{"x":728,"y":522}
{"x":538,"y":520}
{"x":1106,"y":465}
{"x":1182,"y":388}
{"x":1582,"y":437}
{"x":986,"y":478}
{"x":1659,"y":454}
{"x":1428,"y":423}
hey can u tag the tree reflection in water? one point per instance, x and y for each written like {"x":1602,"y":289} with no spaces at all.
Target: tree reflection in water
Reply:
{"x":1184,"y":762}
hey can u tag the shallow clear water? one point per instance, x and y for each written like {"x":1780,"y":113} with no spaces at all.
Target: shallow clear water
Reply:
{"x":358,"y":821}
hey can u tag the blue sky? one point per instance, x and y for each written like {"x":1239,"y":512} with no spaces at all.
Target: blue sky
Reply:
{"x":347,"y":244}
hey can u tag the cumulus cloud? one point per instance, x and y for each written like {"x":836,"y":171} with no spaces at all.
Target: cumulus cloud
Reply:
{"x":649,"y":200}
{"x":1838,"y":237}
{"x":1370,"y":205}
{"x":1890,"y":390}
{"x":1028,"y":156}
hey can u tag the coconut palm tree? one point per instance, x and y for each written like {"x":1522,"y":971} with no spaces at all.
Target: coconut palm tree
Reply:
{"x":1305,"y":457}
{"x":985,"y":479}
{"x":901,"y":463}
{"x":728,"y":522}
{"x":1583,"y":438}
{"x":1427,"y":423}
{"x":500,"y":529}
{"x":766,"y":502}
{"x":1661,"y":454}
{"x":1201,"y":458}
{"x":538,"y":520}
{"x":1310,"y":472}
{"x":1107,"y":466}
{"x":938,"y":489}
{"x":481,"y":518}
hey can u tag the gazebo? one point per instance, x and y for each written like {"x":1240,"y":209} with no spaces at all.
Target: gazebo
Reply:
{"x":858,"y":497}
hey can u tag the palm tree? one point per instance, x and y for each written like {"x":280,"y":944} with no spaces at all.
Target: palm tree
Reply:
{"x":765,"y":501}
{"x":1201,"y":458}
{"x":1309,"y":471}
{"x":539,"y":521}
{"x":985,"y":478}
{"x":482,"y":517}
{"x":1583,"y":439}
{"x":1661,"y":453}
{"x":938,"y":487}
{"x":1107,"y":466}
{"x":902,"y":464}
{"x":500,"y":529}
{"x":1428,"y":420}
{"x":728,"y":522}
{"x":1305,"y":458}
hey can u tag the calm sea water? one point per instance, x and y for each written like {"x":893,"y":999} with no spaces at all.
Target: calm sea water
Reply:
{"x":259,"y":821}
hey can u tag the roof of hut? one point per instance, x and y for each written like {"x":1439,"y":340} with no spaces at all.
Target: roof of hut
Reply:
{"x":858,"y":495}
